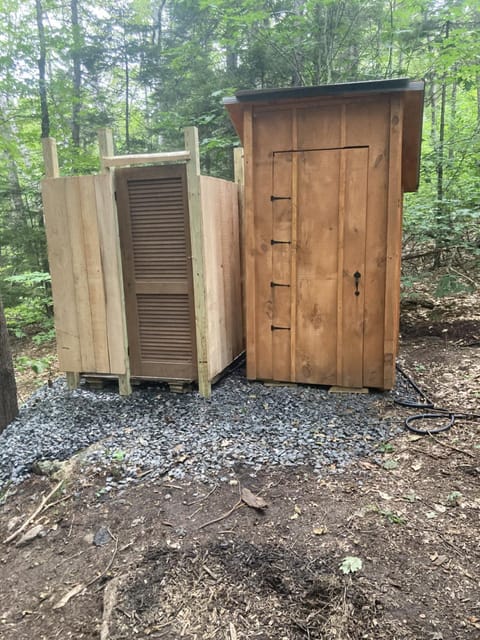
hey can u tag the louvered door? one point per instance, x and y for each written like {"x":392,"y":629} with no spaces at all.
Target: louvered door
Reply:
{"x":154,"y":235}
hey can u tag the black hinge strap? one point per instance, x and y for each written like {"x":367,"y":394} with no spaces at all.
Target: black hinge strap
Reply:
{"x":272,"y":242}
{"x":278,"y":284}
{"x":274,"y":328}
{"x":273,"y":198}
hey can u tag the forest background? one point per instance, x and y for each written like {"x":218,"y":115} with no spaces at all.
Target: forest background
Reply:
{"x":148,"y":68}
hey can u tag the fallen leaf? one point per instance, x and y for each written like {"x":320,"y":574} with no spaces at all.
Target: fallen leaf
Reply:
{"x":440,"y":560}
{"x":251,"y":500}
{"x":31,"y":534}
{"x":69,"y":595}
{"x":320,"y":531}
{"x":416,"y":466}
{"x":440,"y":508}
{"x":390,"y":464}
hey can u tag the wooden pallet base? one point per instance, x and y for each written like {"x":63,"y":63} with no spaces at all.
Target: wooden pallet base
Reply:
{"x":348,"y":390}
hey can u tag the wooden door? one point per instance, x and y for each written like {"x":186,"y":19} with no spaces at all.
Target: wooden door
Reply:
{"x":154,"y":235}
{"x":318,"y":265}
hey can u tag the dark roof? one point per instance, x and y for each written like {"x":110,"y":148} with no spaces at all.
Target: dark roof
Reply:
{"x":413,"y":92}
{"x":366,"y":86}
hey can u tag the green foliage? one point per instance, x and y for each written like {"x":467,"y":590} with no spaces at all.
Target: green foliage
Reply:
{"x":351,"y":564}
{"x":33,"y":309}
{"x":149,"y":69}
{"x":37,"y":365}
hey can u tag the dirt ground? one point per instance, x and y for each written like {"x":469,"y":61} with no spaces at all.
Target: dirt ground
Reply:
{"x":182,"y":560}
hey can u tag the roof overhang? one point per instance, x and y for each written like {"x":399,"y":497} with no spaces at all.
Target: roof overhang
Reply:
{"x":413,"y":92}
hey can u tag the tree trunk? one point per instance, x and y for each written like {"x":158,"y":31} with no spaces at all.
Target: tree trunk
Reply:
{"x":77,"y":73}
{"x":42,"y":86}
{"x":8,"y":388}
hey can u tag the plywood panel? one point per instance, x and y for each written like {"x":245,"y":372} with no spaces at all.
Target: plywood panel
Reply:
{"x":61,"y":270}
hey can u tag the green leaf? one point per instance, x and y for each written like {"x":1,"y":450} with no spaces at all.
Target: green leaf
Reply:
{"x":390,"y":464}
{"x":350,"y":564}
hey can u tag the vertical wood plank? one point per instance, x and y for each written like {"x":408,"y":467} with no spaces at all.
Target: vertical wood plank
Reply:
{"x":368,"y":124}
{"x":61,"y":271}
{"x":394,"y":239}
{"x":50,"y":157}
{"x":249,"y":252}
{"x":273,"y":134}
{"x":112,"y":268}
{"x":317,"y":266}
{"x":80,"y":283}
{"x":239,"y":177}
{"x":93,"y":273}
{"x":355,"y":214}
{"x":281,"y":265}
{"x":293,"y":251}
{"x":198,"y":263}
{"x":341,"y":245}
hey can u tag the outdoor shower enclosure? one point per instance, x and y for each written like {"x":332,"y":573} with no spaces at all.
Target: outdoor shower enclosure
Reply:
{"x":145,"y":266}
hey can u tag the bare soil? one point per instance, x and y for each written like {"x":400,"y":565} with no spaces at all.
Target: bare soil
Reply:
{"x":183,"y":560}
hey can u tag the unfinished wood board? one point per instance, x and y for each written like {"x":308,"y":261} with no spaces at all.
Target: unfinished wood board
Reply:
{"x":222,"y":272}
{"x":83,"y":296}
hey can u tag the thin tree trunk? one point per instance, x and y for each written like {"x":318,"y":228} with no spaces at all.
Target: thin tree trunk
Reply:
{"x":77,"y":73}
{"x":42,"y":86}
{"x":8,"y":387}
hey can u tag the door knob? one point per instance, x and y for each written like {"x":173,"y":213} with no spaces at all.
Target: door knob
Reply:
{"x":357,"y":275}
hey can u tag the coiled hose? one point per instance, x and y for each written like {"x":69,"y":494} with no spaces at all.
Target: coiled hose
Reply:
{"x":433,"y":412}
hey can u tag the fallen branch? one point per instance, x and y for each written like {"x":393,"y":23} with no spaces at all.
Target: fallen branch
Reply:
{"x":36,"y":513}
{"x":236,"y":506}
{"x":450,"y":446}
{"x":81,"y":587}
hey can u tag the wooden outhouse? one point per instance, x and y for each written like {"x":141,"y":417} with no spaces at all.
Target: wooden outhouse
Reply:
{"x":325,"y":171}
{"x":145,"y":266}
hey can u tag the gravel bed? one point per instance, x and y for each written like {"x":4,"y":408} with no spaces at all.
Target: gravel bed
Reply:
{"x":244,"y":422}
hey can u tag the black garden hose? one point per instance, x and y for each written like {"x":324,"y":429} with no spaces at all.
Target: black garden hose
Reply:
{"x":434,"y":412}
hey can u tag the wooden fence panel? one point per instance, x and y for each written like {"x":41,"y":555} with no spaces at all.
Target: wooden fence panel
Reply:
{"x":222,"y":271}
{"x":81,"y":235}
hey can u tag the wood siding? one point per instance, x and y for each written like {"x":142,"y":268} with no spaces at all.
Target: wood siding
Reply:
{"x":322,"y":202}
{"x":81,"y":234}
{"x":153,"y":220}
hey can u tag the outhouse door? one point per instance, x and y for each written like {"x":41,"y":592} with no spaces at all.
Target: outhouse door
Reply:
{"x":153,"y":218}
{"x":319,"y":206}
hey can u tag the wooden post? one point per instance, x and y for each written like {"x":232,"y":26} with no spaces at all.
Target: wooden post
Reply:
{"x":50,"y":158}
{"x":105,"y":144}
{"x":239,"y":177}
{"x":198,"y":262}
{"x":394,"y":242}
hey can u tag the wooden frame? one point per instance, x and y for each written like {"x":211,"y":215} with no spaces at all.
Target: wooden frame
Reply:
{"x":81,"y":220}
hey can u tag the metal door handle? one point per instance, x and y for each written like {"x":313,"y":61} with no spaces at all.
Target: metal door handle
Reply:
{"x":357,"y":275}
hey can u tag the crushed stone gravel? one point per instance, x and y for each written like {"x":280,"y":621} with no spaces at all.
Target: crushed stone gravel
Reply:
{"x":186,"y":436}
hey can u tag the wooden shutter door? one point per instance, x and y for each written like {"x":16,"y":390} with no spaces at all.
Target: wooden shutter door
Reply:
{"x":154,"y":233}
